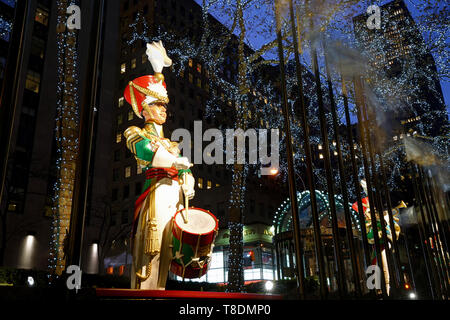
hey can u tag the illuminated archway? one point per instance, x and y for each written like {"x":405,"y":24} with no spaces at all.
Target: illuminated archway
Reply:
{"x":283,"y":219}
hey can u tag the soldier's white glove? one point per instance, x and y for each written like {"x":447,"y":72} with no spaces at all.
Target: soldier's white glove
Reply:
{"x":181,"y":163}
{"x":188,"y":186}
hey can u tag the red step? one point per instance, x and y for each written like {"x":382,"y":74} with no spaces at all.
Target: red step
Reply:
{"x":180,"y":294}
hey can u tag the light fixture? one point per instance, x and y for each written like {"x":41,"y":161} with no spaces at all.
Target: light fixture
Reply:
{"x":268,"y":285}
{"x":30,"y":281}
{"x":412,"y":295}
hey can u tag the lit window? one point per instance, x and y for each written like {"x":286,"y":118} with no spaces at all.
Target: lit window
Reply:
{"x":12,"y":207}
{"x":200,"y":183}
{"x":41,"y":16}
{"x":133,"y":63}
{"x":123,"y":68}
{"x":138,"y":169}
{"x":121,"y":102}
{"x":209,"y":184}
{"x":320,"y":156}
{"x":32,"y":82}
{"x":128,"y":172}
{"x":199,"y":68}
{"x":130,"y":115}
{"x":199,"y":83}
{"x":190,"y":63}
{"x":320,"y":147}
{"x":118,"y":137}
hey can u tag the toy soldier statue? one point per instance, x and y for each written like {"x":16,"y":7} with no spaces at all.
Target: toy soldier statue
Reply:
{"x":167,"y":176}
{"x":390,"y":234}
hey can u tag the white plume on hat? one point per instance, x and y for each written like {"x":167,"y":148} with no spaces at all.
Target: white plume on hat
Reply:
{"x":158,"y":58}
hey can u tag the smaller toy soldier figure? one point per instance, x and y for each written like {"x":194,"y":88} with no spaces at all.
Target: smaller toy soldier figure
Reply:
{"x":167,"y":176}
{"x":389,"y":233}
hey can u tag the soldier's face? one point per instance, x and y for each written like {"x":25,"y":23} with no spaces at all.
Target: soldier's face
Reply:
{"x":155,"y":113}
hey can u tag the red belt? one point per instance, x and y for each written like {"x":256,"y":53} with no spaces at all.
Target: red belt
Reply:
{"x":160,"y":173}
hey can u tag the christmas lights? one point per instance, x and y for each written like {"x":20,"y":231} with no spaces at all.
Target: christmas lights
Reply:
{"x":66,"y":135}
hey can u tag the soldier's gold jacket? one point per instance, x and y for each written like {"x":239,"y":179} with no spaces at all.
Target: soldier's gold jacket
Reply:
{"x":144,"y":144}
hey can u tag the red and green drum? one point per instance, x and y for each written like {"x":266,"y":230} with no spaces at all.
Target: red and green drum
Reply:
{"x":192,"y":242}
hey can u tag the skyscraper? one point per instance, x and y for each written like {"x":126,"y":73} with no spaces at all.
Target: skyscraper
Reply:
{"x":411,"y":90}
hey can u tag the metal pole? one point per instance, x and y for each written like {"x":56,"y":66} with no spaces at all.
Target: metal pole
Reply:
{"x":90,"y":101}
{"x":377,"y":193}
{"x":329,"y":173}
{"x":9,"y":94}
{"x":348,"y":221}
{"x":309,"y":171}
{"x":426,"y":255}
{"x":391,"y":218}
{"x":351,"y":140}
{"x":290,"y":160}
{"x":358,"y":103}
{"x":435,"y":236}
{"x":425,"y":231}
{"x":440,"y":231}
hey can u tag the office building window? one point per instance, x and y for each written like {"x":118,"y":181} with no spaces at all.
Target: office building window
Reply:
{"x":130,"y":115}
{"x":199,"y":68}
{"x":190,"y":63}
{"x":118,"y":137}
{"x":117,"y":155}
{"x":41,"y":16}
{"x":114,"y":195}
{"x":127,"y":171}
{"x":200,"y":183}
{"x":124,"y":218}
{"x":133,"y":63}
{"x":209,"y":184}
{"x":138,"y":169}
{"x":123,"y":68}
{"x":119,"y":119}
{"x":38,"y":47}
{"x":32,"y":82}
{"x":115,"y":174}
{"x":121,"y":102}
{"x":138,"y":187}
{"x":126,"y":191}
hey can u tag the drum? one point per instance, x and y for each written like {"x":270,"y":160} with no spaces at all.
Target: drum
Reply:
{"x":193,"y":242}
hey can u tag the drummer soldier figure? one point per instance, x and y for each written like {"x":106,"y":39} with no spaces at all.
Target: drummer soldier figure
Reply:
{"x":168,"y":178}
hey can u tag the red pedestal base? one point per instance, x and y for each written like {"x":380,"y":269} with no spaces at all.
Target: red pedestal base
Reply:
{"x":178,"y":294}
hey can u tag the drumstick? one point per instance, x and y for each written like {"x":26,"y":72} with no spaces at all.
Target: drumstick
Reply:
{"x":186,"y":201}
